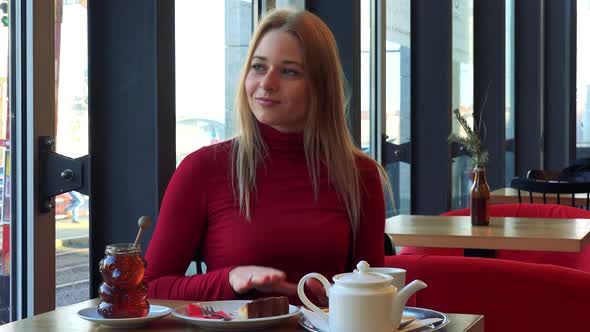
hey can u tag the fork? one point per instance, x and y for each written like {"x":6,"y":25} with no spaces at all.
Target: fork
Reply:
{"x":208,"y":311}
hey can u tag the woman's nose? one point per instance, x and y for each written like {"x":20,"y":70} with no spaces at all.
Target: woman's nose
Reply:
{"x":269,"y":82}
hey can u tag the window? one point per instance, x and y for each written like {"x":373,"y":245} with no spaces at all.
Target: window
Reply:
{"x":509,"y":158}
{"x":71,"y":209}
{"x":211,"y":46}
{"x":366,"y":75}
{"x":583,"y":80}
{"x":462,"y":90}
{"x":5,"y":162}
{"x":397,"y":102}
{"x":393,"y":121}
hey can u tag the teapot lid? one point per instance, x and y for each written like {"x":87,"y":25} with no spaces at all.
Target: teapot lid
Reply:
{"x":362,"y":276}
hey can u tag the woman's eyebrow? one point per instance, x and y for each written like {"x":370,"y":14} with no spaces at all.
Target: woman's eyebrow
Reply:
{"x":292,"y":62}
{"x":287,"y":62}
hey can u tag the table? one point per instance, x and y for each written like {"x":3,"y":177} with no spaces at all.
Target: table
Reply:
{"x":510,"y":233}
{"x":510,"y":195}
{"x":65,"y":319}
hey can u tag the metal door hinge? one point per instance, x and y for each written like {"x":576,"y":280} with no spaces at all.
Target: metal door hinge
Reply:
{"x":393,"y":153}
{"x":59,"y":174}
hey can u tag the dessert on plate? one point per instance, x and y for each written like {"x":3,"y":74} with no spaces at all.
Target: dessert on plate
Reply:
{"x":265,"y":307}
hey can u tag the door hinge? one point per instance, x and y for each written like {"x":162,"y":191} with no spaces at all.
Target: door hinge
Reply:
{"x":393,"y":153}
{"x":59,"y":174}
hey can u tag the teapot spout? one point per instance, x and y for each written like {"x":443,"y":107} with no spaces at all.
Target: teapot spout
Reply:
{"x":402,"y":297}
{"x":404,"y":294}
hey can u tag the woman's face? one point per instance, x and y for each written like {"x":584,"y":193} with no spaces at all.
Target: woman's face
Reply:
{"x":276,"y":82}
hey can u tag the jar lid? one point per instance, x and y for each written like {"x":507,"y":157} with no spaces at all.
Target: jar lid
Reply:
{"x":361,"y":276}
{"x":122,"y":249}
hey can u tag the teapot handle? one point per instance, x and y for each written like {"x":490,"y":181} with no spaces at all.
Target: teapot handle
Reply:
{"x":303,"y":297}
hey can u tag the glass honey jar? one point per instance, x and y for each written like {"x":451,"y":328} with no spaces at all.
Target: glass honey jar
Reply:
{"x":122,"y":293}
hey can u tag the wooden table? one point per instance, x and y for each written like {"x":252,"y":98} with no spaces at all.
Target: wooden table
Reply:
{"x":569,"y":235}
{"x":66,"y":319}
{"x":510,"y":195}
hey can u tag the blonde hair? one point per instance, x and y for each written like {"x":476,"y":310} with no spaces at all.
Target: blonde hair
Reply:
{"x":326,"y":138}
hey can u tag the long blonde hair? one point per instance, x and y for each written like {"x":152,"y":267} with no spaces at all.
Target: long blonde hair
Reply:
{"x":326,"y":138}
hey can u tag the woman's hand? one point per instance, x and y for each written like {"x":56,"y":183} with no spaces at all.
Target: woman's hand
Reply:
{"x":243,"y":279}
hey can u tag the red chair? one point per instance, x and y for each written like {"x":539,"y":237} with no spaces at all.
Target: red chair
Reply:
{"x":580,"y":261}
{"x":513,"y":296}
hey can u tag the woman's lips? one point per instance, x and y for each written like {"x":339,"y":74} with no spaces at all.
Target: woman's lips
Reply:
{"x":266,"y":102}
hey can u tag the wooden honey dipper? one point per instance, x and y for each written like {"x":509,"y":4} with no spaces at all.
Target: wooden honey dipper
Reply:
{"x":144,"y":222}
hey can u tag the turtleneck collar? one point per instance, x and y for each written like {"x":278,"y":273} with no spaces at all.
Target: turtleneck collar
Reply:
{"x":278,"y":141}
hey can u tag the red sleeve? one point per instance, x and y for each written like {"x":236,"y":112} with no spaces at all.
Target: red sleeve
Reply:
{"x":369,"y":243}
{"x":176,"y":239}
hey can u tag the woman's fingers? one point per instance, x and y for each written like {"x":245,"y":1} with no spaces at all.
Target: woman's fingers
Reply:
{"x":285,"y":288}
{"x":245,"y":278}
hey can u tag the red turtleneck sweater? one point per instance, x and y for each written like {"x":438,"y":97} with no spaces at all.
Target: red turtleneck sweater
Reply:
{"x":288,"y":229}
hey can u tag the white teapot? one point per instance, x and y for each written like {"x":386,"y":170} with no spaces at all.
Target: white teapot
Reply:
{"x":361,"y":301}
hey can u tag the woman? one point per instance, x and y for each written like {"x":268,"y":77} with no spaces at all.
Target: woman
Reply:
{"x":290,"y":194}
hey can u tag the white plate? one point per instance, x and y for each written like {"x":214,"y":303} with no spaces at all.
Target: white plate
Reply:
{"x":156,"y":312}
{"x":237,"y":324}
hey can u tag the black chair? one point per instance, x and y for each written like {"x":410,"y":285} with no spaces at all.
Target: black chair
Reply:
{"x":550,"y":182}
{"x":578,"y":169}
{"x":389,"y":247}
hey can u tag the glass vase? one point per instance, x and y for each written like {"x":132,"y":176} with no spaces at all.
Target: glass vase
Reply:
{"x":480,"y":198}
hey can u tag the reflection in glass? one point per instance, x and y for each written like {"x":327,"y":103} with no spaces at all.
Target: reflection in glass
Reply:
{"x":462,"y":93}
{"x":211,"y":46}
{"x":5,"y":173}
{"x":583,"y":80}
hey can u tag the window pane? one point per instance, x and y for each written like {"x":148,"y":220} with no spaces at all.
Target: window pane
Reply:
{"x":211,"y":46}
{"x":583,"y":80}
{"x":5,"y":174}
{"x":299,"y":4}
{"x":397,"y":109}
{"x":509,"y":91}
{"x":366,"y":26}
{"x":71,"y":212}
{"x":462,"y":93}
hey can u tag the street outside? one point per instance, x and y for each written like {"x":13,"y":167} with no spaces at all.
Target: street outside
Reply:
{"x":71,"y":261}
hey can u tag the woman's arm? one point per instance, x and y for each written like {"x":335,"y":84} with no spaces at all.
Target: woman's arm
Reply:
{"x":178,"y":234}
{"x":369,"y":242}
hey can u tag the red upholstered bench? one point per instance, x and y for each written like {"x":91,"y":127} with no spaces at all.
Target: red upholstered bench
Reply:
{"x":513,"y":296}
{"x":580,"y":261}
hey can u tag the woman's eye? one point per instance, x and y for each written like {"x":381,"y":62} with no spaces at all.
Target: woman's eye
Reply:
{"x":290,"y":72}
{"x":257,"y":67}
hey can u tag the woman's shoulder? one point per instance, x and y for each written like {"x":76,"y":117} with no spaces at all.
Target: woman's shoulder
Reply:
{"x":213,"y":154}
{"x":365,"y":164}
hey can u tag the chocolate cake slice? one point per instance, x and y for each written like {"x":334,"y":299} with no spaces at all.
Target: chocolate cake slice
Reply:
{"x":265,"y":307}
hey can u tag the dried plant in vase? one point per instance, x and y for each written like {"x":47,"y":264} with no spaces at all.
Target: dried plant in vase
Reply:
{"x":480,"y":191}
{"x":471,"y":140}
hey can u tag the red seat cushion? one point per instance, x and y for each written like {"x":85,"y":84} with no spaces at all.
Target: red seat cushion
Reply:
{"x":579,"y":261}
{"x":513,"y":296}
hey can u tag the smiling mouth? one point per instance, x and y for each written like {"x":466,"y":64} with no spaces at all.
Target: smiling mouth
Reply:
{"x":267,"y":102}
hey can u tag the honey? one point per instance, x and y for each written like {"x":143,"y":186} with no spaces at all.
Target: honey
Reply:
{"x":122,"y":292}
